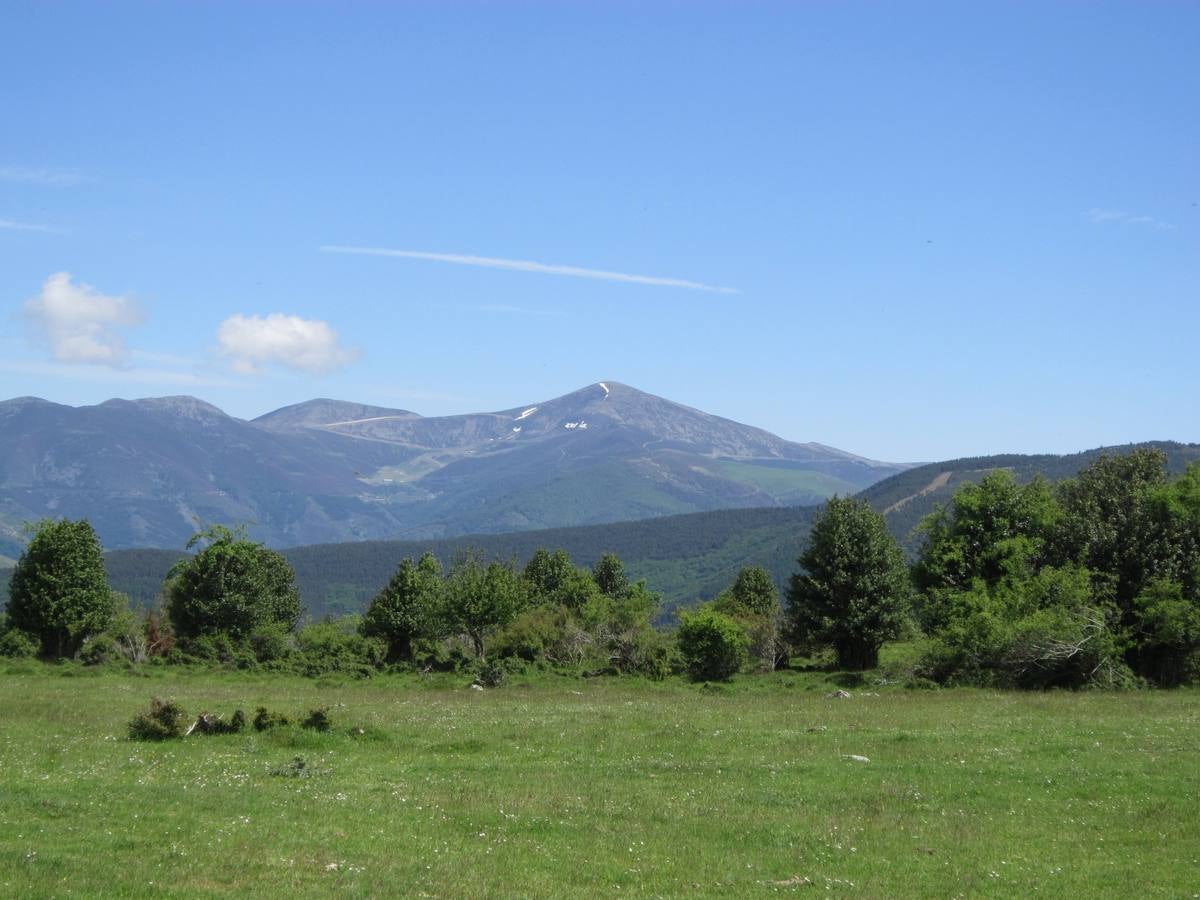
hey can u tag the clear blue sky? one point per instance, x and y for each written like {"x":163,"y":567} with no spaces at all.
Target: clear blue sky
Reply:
{"x":952,"y":229}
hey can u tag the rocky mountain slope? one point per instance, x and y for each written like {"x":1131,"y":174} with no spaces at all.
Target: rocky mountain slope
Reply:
{"x":148,"y":472}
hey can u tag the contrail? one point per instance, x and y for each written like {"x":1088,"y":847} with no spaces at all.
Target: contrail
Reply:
{"x":524,"y":265}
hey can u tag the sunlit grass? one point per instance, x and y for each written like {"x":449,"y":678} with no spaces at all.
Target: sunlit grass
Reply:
{"x":598,"y":787}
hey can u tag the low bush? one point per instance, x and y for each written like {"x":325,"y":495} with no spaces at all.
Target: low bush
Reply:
{"x":265,"y":721}
{"x":17,"y":644}
{"x":714,"y":647}
{"x":317,"y":720}
{"x":166,"y":719}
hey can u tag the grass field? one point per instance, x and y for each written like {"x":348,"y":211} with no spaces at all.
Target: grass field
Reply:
{"x":605,"y":787}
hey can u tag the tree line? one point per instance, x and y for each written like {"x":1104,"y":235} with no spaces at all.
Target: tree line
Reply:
{"x":1094,"y":581}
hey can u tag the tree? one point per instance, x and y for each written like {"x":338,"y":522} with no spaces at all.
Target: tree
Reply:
{"x":480,"y":599}
{"x":232,"y":586}
{"x":753,"y":600}
{"x":609,"y":575}
{"x":408,"y":608}
{"x":59,"y":592}
{"x":854,"y":590}
{"x":712,"y":644}
{"x":556,"y":581}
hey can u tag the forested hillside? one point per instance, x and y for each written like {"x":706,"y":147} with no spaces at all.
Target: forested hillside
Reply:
{"x":686,"y":558}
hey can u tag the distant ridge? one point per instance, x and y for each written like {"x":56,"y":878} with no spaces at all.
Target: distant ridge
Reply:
{"x":149,"y":472}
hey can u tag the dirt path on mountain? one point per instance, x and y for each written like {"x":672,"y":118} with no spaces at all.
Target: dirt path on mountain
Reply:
{"x":938,"y":482}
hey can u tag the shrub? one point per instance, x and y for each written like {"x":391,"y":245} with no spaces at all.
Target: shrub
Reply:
{"x":99,"y":650}
{"x":265,"y":721}
{"x":166,"y":719}
{"x":317,"y":720}
{"x":17,"y":644}
{"x":714,"y":646}
{"x":271,"y":642}
{"x":492,"y":673}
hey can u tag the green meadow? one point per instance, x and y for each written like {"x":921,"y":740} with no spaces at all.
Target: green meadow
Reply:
{"x":579,"y":787}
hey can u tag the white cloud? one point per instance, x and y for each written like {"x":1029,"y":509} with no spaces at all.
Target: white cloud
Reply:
{"x":524,"y":265}
{"x":1103,"y":216}
{"x":81,"y":324}
{"x":12,"y":225}
{"x":28,"y":175}
{"x":309,"y":345}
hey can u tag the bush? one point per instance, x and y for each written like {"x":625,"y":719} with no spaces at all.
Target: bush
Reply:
{"x":317,"y":720}
{"x":165,"y":720}
{"x":492,"y":673}
{"x":265,"y":721}
{"x":714,"y":646}
{"x":99,"y":650}
{"x":337,"y":646}
{"x":17,"y":644}
{"x":271,"y":642}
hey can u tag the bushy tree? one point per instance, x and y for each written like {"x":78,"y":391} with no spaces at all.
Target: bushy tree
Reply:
{"x":408,"y":608}
{"x":230,"y":587}
{"x":713,"y":645}
{"x":753,"y":600}
{"x":555,"y":580}
{"x":609,"y":575}
{"x":853,"y":592}
{"x":59,"y":592}
{"x":480,"y":599}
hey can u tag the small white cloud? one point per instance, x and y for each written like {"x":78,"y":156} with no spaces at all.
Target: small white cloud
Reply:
{"x":29,"y":175}
{"x":81,"y":324}
{"x":13,"y":225}
{"x":1103,"y":216}
{"x":309,"y":345}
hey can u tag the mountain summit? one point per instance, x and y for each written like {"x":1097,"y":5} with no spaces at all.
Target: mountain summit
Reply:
{"x":149,"y":472}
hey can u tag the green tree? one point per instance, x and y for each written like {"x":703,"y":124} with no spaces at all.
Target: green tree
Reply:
{"x":609,"y":575}
{"x":713,"y":645}
{"x":753,"y":600}
{"x":555,"y":580}
{"x":853,"y":593}
{"x":481,"y":599}
{"x":408,"y":608}
{"x":1109,"y":524}
{"x":232,"y":586}
{"x":59,"y":592}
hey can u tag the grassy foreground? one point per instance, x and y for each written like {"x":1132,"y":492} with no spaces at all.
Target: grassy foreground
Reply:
{"x":606,"y":787}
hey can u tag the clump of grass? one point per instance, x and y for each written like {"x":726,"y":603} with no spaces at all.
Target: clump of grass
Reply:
{"x":165,"y":720}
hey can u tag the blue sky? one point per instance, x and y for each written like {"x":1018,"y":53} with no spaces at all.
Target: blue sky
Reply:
{"x":943,"y":229}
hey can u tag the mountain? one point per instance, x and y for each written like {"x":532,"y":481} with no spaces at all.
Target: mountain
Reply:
{"x":148,"y":473}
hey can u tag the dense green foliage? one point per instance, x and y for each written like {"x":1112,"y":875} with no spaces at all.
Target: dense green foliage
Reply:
{"x":231,"y":587}
{"x":853,"y":590}
{"x":59,"y":593}
{"x":1094,"y":582}
{"x":713,"y":645}
{"x":409,"y":608}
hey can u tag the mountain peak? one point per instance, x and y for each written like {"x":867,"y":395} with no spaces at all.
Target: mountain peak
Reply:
{"x":322,"y":412}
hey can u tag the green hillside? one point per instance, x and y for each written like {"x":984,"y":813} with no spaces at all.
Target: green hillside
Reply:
{"x":685,"y":557}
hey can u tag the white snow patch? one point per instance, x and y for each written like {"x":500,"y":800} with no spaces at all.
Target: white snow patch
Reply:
{"x":605,"y":387}
{"x":527,"y":413}
{"x":573,"y":425}
{"x":516,"y":428}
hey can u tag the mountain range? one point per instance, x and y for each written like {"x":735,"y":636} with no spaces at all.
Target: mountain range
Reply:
{"x":151,"y":472}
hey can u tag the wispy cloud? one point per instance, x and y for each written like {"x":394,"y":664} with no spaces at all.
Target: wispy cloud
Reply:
{"x":1104,"y":216}
{"x":309,"y":345}
{"x":13,"y":225}
{"x":29,"y":175}
{"x":524,"y":265}
{"x":82,"y":324}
